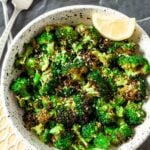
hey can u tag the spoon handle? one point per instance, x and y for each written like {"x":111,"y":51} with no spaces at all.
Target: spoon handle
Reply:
{"x":6,"y":19}
{"x":4,"y":37}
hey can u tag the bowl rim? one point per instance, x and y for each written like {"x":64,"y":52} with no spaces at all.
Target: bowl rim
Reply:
{"x":21,"y":32}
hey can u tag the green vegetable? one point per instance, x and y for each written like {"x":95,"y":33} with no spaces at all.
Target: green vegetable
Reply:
{"x":102,"y":141}
{"x":81,"y":28}
{"x":38,"y":129}
{"x":125,"y":131}
{"x":45,"y":38}
{"x":66,"y":116}
{"x":79,"y":90}
{"x":89,"y":131}
{"x":44,"y":137}
{"x":44,"y":62}
{"x":67,"y":33}
{"x":21,"y":58}
{"x":119,"y":134}
{"x":99,"y":84}
{"x":20,"y":87}
{"x":127,"y":46}
{"x":134,"y":65}
{"x":64,"y":141}
{"x":83,"y":108}
{"x":76,"y":130}
{"x":36,"y":78}
{"x":57,"y":129}
{"x":30,"y":64}
{"x":105,"y":112}
{"x":134,"y":113}
{"x":77,"y":47}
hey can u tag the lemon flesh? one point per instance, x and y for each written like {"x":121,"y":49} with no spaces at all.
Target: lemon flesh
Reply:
{"x":114,"y":28}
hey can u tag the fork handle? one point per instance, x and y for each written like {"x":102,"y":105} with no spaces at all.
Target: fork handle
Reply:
{"x":4,"y":37}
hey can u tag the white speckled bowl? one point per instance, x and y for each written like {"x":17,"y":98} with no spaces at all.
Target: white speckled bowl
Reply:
{"x":67,"y":15}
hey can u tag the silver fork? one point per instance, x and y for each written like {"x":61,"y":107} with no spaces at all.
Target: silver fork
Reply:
{"x":19,"y":5}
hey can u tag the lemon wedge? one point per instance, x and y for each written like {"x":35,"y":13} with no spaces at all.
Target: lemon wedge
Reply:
{"x":114,"y":28}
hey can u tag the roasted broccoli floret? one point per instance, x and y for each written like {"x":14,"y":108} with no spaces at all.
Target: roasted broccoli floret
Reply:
{"x":61,"y":58}
{"x":125,"y":131}
{"x":57,"y":130}
{"x":81,"y":29}
{"x":103,"y":58}
{"x":42,"y":133}
{"x":76,"y":69}
{"x":29,"y":119}
{"x":102,"y":86}
{"x":135,"y":90}
{"x":64,"y":141}
{"x":67,"y":33}
{"x":121,"y":47}
{"x":102,"y":141}
{"x":90,"y":130}
{"x":83,"y":107}
{"x":105,"y":113}
{"x":45,"y":38}
{"x":119,"y":111}
{"x":90,"y":37}
{"x":38,"y":129}
{"x":66,"y":116}
{"x":111,"y":85}
{"x":23,"y":101}
{"x":91,"y":89}
{"x":43,"y":116}
{"x":134,"y":113}
{"x":30,"y":65}
{"x":21,"y":58}
{"x":44,"y":62}
{"x":118,"y":100}
{"x":77,"y":47}
{"x":134,"y":65}
{"x":48,"y":48}
{"x":44,"y":88}
{"x":20,"y":87}
{"x":118,"y":77}
{"x":112,"y":132}
{"x":59,"y":63}
{"x":45,"y":136}
{"x":76,"y":129}
{"x":119,"y":134}
{"x":48,"y":84}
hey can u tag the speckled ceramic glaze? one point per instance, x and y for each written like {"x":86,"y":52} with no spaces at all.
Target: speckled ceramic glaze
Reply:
{"x":68,"y":15}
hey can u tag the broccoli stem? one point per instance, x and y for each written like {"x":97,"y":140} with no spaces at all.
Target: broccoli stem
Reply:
{"x":76,"y":129}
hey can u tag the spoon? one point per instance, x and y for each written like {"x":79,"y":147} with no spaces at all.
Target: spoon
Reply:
{"x":4,"y":5}
{"x":5,"y":12}
{"x":19,"y":5}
